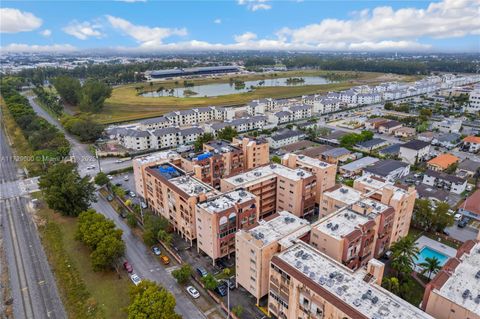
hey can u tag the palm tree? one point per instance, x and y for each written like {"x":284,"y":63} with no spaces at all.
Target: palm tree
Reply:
{"x":431,"y":265}
{"x":391,"y":284}
{"x":404,"y":253}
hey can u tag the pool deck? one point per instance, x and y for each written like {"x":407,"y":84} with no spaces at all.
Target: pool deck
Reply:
{"x":435,"y":245}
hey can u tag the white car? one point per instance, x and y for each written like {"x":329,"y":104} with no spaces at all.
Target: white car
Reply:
{"x":193,"y":292}
{"x":135,"y":279}
{"x":110,"y":177}
{"x":118,"y":161}
{"x":458,"y":217}
{"x":90,"y":167}
{"x":132,"y":194}
{"x":125,"y":178}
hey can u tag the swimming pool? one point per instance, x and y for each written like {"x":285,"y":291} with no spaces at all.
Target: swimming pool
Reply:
{"x":431,"y":253}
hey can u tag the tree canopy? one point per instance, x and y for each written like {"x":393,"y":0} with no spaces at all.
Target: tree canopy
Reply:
{"x":204,"y":138}
{"x":182,"y":274}
{"x":68,"y":88}
{"x":151,"y":301}
{"x":93,"y":95}
{"x":429,"y":219}
{"x":227,"y":134}
{"x":65,"y":191}
{"x":101,"y":179}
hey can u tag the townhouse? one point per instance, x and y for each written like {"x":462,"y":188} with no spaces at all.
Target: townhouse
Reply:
{"x":414,"y":151}
{"x":448,"y":182}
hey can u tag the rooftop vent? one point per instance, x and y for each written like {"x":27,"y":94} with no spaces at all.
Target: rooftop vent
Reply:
{"x":329,"y":225}
{"x":299,"y":253}
{"x":298,"y":264}
{"x":357,"y":302}
{"x":301,"y":173}
{"x":239,"y":180}
{"x":330,"y":282}
{"x":322,"y":280}
{"x":312,"y":275}
{"x":306,"y":269}
{"x":477,"y":275}
{"x":466,"y":294}
{"x":343,"y":190}
{"x":257,"y":174}
{"x":305,"y":256}
{"x":242,"y":194}
{"x":335,"y":227}
{"x":272,"y":166}
{"x":477,"y":299}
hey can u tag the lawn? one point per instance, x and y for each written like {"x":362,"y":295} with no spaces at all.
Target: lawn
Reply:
{"x":126,"y":105}
{"x":85,"y":293}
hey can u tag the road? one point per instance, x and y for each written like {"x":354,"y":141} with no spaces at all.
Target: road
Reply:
{"x":33,"y":287}
{"x":80,"y":151}
{"x":144,"y":264}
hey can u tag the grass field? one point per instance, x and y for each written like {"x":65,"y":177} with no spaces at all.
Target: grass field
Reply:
{"x":126,"y":105}
{"x":85,"y":293}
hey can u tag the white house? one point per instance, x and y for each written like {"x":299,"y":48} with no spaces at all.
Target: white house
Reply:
{"x":414,"y":151}
{"x":449,"y":182}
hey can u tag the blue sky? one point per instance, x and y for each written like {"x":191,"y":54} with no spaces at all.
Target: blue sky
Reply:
{"x":442,"y":25}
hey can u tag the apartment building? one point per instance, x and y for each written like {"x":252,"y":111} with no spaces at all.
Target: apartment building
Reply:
{"x":220,"y":217}
{"x":173,"y":194}
{"x":141,"y":162}
{"x":278,"y":188}
{"x":255,"y":248}
{"x":352,"y":236}
{"x":414,"y":151}
{"x":446,"y":181}
{"x":305,"y":283}
{"x":400,"y":198}
{"x":324,"y":172}
{"x":454,"y":293}
{"x":474,"y":101}
{"x":337,"y":197}
{"x":255,"y":151}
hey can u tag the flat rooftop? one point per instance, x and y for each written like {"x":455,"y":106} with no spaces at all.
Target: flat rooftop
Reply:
{"x":341,"y":224}
{"x":345,"y":194}
{"x":359,"y":164}
{"x":377,"y":207}
{"x":278,"y":227}
{"x":312,"y":161}
{"x":372,"y":182}
{"x":465,"y":277}
{"x":191,"y":186}
{"x":348,"y":287}
{"x":225,"y":201}
{"x":154,"y":157}
{"x":220,"y":146}
{"x":266,"y":172}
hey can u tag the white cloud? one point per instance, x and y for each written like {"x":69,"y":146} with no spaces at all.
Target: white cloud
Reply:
{"x":20,"y":47}
{"x":217,"y":21}
{"x":14,"y":20}
{"x":255,"y":5}
{"x":83,"y":30}
{"x":46,"y":32}
{"x":146,"y":36}
{"x":246,"y":37}
{"x":447,"y":19}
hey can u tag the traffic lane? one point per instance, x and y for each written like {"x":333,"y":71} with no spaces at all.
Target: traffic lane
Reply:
{"x":146,"y":265}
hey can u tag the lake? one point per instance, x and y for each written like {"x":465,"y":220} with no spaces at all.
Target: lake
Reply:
{"x":218,"y":89}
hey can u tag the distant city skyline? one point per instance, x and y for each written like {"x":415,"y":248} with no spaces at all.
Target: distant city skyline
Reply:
{"x":155,"y":26}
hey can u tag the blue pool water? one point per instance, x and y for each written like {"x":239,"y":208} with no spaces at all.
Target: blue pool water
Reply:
{"x":429,"y":252}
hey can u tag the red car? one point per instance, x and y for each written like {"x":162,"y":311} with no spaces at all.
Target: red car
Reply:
{"x":128,"y":267}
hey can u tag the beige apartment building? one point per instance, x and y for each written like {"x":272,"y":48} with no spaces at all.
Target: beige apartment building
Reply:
{"x":400,"y":198}
{"x":278,"y":188}
{"x":142,"y":162}
{"x":170,"y":192}
{"x":256,"y":151}
{"x":324,"y":172}
{"x":454,"y":293}
{"x":337,"y":197}
{"x":353,"y":236}
{"x":220,"y":217}
{"x":255,"y":248}
{"x":307,"y":284}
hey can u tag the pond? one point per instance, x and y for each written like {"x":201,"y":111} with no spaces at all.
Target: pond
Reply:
{"x":218,"y":89}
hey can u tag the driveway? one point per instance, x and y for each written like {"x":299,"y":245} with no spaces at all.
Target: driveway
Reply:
{"x":462,"y":234}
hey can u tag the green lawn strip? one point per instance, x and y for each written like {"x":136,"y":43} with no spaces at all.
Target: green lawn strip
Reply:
{"x":86,"y":294}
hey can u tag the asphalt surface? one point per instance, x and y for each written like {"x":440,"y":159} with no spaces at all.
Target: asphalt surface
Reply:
{"x":32,"y":284}
{"x":145,"y":265}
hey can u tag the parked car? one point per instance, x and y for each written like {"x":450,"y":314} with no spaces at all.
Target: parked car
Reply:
{"x":110,"y":177}
{"x":118,"y":184}
{"x":462,"y":224}
{"x":143,"y":205}
{"x":156,"y":251}
{"x":222,"y":289}
{"x":193,"y":292}
{"x":123,"y":214}
{"x":132,"y":194}
{"x":109,"y":198}
{"x":230,"y":283}
{"x":135,"y":279}
{"x":165,"y":260}
{"x":118,"y":161}
{"x":128,"y":267}
{"x":202,"y":271}
{"x":457,"y":217}
{"x":125,"y":178}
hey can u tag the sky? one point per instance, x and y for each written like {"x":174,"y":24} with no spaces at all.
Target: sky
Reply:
{"x":158,"y":25}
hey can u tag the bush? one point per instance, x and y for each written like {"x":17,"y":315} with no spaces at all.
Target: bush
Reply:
{"x":210,"y":282}
{"x":183,"y":274}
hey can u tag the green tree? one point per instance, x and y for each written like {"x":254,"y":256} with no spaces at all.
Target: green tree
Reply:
{"x":93,"y":227}
{"x":422,"y":216}
{"x":131,"y":220}
{"x":430,"y":266}
{"x":238,"y":310}
{"x":441,"y":217}
{"x":83,"y":126}
{"x":204,"y":138}
{"x":108,"y":252}
{"x":101,"y":179}
{"x":391,"y":284}
{"x":93,"y":96}
{"x":165,"y":237}
{"x":68,"y":88}
{"x":388,"y":106}
{"x":210,"y":282}
{"x":65,"y":191}
{"x":227,"y":134}
{"x":404,"y":252}
{"x":276,"y":159}
{"x":149,"y":300}
{"x":183,"y":274}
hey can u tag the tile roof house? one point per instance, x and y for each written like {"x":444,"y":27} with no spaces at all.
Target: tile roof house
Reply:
{"x":471,"y":206}
{"x":467,"y":168}
{"x":471,"y":143}
{"x":442,"y":162}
